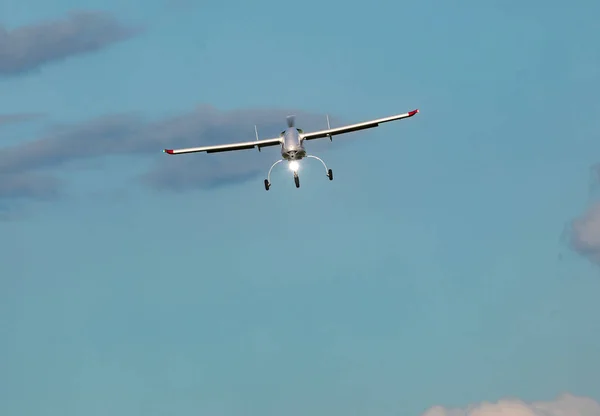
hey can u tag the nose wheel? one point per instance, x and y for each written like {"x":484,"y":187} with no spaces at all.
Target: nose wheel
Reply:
{"x":330,"y":174}
{"x":296,"y":179}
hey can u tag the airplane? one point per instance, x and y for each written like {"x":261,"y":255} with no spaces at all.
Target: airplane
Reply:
{"x":291,"y":141}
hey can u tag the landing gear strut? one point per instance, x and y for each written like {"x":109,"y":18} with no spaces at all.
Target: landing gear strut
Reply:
{"x":328,"y":172}
{"x":268,"y":180}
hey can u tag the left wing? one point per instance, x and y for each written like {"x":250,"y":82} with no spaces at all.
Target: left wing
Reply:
{"x":227,"y":147}
{"x":355,"y":127}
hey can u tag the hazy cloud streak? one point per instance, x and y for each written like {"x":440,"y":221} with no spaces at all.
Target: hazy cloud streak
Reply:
{"x":26,"y":186}
{"x":29,"y":47}
{"x":132,"y":136}
{"x":18,"y":118}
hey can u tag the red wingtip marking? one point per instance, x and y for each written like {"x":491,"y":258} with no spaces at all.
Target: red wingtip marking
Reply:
{"x":412,"y":113}
{"x":169,"y":151}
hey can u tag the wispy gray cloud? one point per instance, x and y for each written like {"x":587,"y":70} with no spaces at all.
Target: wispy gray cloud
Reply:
{"x":30,"y":47}
{"x":18,"y":118}
{"x":27,"y":186}
{"x":131,"y":135}
{"x":18,"y":189}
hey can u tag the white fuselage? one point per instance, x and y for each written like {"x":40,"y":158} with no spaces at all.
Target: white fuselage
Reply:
{"x":292,"y":147}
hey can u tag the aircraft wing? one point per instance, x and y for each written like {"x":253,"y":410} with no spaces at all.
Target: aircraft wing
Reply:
{"x":227,"y":147}
{"x":356,"y":127}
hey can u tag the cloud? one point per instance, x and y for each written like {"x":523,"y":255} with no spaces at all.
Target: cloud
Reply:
{"x":564,"y":405}
{"x":30,"y":47}
{"x":18,"y":118}
{"x":26,"y":186}
{"x":130,"y":135}
{"x":584,"y":234}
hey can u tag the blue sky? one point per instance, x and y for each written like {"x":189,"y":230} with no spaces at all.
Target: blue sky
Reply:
{"x":429,"y":272}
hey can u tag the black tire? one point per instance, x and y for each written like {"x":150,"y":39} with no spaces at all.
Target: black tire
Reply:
{"x":267,"y":185}
{"x":297,"y":181}
{"x":330,"y":174}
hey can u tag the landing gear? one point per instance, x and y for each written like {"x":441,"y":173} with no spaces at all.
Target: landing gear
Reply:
{"x":268,"y":180}
{"x":328,"y":171}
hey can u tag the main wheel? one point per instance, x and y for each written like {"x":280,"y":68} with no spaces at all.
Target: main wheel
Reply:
{"x":267,"y":184}
{"x":330,"y":174}
{"x":297,"y":181}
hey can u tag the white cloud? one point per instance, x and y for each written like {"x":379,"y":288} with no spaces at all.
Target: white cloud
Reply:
{"x":564,"y":405}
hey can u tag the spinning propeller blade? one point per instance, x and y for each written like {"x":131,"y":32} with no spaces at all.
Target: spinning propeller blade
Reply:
{"x":291,"y":120}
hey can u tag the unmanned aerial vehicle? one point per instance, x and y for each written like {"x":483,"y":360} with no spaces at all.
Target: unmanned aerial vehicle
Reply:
{"x":292,"y":141}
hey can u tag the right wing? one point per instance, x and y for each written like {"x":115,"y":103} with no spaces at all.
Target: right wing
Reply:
{"x":227,"y":147}
{"x":356,"y":127}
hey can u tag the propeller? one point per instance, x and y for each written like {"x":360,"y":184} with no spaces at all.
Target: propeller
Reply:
{"x":291,"y":120}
